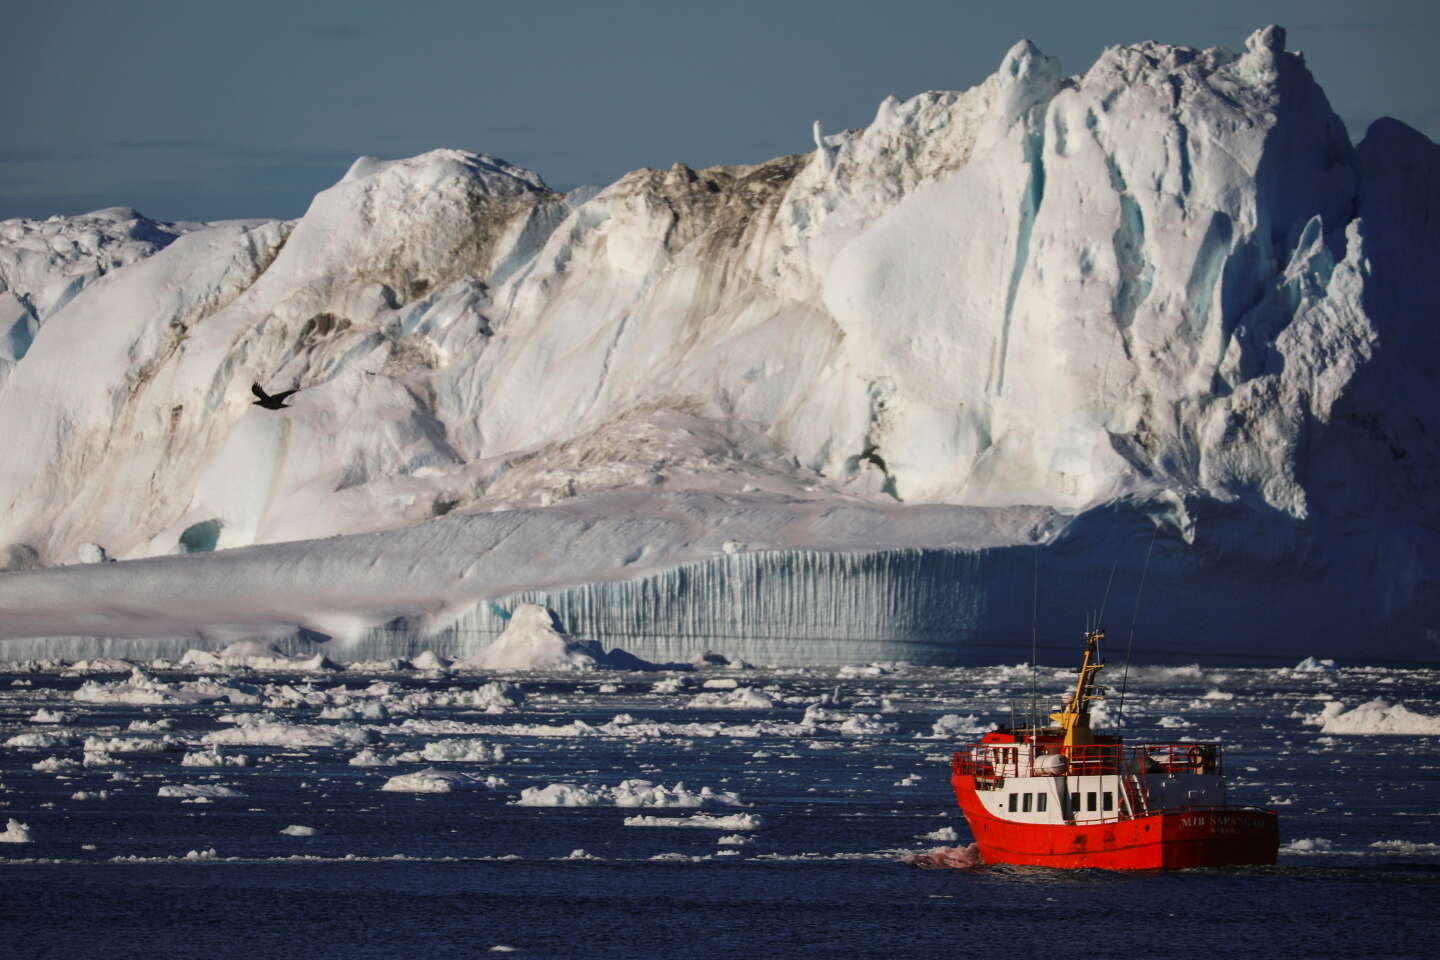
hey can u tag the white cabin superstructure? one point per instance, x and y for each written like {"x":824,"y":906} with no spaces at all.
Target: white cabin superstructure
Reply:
{"x":1046,"y":783}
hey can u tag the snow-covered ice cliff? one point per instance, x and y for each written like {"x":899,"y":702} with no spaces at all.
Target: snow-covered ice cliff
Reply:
{"x":1050,"y":310}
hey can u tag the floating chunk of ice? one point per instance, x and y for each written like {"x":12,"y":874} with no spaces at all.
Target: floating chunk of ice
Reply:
{"x":130,"y":745}
{"x":864,"y":725}
{"x":90,"y":795}
{"x":735,"y":821}
{"x":431,"y":780}
{"x":852,"y":671}
{"x":141,"y":688}
{"x":1406,"y":848}
{"x":296,"y":830}
{"x":367,"y":711}
{"x":462,"y":750}
{"x":628,"y":793}
{"x":580,"y":854}
{"x":1308,"y":845}
{"x":255,"y":655}
{"x":533,"y":640}
{"x":953,"y":725}
{"x":369,"y":758}
{"x":1312,"y":665}
{"x":290,"y":735}
{"x":37,"y":741}
{"x":100,"y":665}
{"x":214,"y":758}
{"x":429,"y":660}
{"x":494,"y":697}
{"x":1375,"y":717}
{"x":16,"y":832}
{"x":209,"y":791}
{"x":742,"y":698}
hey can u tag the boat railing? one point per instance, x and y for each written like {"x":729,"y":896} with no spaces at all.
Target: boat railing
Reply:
{"x":997,"y":761}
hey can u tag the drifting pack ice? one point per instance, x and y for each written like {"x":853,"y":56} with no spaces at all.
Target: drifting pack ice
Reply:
{"x":834,"y":406}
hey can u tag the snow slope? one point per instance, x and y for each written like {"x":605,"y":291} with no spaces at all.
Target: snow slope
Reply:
{"x":1169,"y":284}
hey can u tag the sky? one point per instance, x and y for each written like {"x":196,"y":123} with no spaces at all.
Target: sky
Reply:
{"x":201,"y":110}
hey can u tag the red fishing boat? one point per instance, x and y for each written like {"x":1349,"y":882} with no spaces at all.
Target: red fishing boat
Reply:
{"x":1064,"y":796}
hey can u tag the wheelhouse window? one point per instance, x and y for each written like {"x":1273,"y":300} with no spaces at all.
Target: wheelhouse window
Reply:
{"x":1028,"y":799}
{"x":1074,"y":803}
{"x":1040,"y":803}
{"x":1090,"y":800}
{"x":1014,"y":802}
{"x":1109,"y":800}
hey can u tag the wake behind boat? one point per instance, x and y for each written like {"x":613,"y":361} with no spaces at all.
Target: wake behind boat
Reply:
{"x":1064,"y":796}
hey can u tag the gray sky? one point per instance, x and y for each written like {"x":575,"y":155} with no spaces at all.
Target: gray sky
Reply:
{"x":193,"y":109}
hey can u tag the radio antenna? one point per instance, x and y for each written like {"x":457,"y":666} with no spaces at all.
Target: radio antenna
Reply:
{"x":1130,"y":644}
{"x":1034,"y":634}
{"x":1100,"y":620}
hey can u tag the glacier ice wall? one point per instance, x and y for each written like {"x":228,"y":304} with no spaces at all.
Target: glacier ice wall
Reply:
{"x":666,"y":575}
{"x":1171,"y":281}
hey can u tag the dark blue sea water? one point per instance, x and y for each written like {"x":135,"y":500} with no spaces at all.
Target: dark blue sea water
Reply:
{"x":456,"y":874}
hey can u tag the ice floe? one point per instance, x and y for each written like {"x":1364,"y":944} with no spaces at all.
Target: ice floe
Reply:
{"x":161,"y":725}
{"x":431,"y":780}
{"x":1312,"y":665}
{"x":459,"y":750}
{"x":1308,"y":845}
{"x":1406,"y":848}
{"x":534,"y":640}
{"x":131,"y":745}
{"x":628,"y":793}
{"x":214,"y":758}
{"x":1378,"y":717}
{"x":207,"y":791}
{"x":952,"y":725}
{"x":37,"y":741}
{"x":369,"y":758}
{"x":735,"y":821}
{"x":16,"y":832}
{"x":290,"y":735}
{"x":258,"y":656}
{"x":739,"y":698}
{"x":141,"y":688}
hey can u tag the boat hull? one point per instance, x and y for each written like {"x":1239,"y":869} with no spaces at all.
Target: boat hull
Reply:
{"x":1169,"y":840}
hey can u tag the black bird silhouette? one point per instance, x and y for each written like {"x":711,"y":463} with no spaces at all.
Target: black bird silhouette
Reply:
{"x":277,"y":402}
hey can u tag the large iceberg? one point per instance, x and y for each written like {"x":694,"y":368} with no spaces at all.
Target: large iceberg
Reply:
{"x":839,"y":405}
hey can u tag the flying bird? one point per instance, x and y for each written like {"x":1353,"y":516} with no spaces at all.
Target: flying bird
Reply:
{"x":277,"y":402}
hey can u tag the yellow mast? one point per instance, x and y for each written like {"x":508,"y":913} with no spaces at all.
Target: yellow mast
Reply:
{"x":1074,"y":716}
